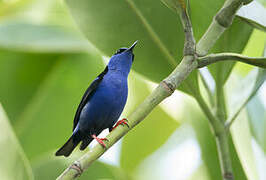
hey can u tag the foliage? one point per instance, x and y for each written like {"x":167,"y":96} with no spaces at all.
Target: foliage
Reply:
{"x":47,"y":60}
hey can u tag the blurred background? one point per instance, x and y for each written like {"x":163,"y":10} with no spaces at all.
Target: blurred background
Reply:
{"x":50,"y":51}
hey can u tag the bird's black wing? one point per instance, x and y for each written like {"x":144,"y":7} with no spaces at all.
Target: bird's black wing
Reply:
{"x":89,"y":92}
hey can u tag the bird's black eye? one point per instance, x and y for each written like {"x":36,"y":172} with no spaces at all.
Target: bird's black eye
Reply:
{"x":120,"y":50}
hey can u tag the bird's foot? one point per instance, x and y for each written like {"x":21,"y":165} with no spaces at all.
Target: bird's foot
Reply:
{"x":122,"y":122}
{"x":100,"y":140}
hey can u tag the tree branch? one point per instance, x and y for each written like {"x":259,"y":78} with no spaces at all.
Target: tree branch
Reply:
{"x":216,"y":125}
{"x":224,"y":155}
{"x":213,"y":58}
{"x":220,"y":22}
{"x":190,"y":43}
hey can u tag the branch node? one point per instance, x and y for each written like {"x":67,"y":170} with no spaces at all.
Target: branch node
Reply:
{"x":228,"y":176}
{"x":77,"y":166}
{"x":226,"y":15}
{"x":168,"y":87}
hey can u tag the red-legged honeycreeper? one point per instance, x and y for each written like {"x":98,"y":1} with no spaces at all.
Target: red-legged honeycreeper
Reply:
{"x":102,"y":103}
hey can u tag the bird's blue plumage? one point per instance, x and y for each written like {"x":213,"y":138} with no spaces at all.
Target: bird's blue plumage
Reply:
{"x":106,"y":104}
{"x":102,"y":103}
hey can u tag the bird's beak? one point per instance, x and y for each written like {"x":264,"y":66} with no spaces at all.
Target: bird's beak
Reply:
{"x":132,"y":46}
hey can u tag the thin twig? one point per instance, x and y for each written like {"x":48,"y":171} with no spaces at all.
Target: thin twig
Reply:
{"x":207,"y":88}
{"x":216,"y":125}
{"x":213,"y":58}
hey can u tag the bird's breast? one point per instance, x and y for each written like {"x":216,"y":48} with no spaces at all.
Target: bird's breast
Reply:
{"x":106,"y":105}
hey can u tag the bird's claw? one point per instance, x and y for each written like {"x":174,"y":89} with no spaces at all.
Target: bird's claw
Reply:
{"x":121,"y":122}
{"x":100,"y":140}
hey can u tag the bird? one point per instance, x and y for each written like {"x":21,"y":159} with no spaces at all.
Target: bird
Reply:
{"x":102,"y":103}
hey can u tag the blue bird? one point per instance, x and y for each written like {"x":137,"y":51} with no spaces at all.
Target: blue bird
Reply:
{"x":102,"y":103}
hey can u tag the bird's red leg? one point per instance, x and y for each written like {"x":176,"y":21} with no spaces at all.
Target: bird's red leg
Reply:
{"x":99,"y":140}
{"x":122,"y":122}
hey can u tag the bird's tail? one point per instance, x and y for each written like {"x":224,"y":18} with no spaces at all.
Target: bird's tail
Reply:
{"x":68,"y":147}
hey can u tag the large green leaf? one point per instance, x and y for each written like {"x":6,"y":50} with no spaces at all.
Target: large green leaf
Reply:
{"x":236,"y":100}
{"x":42,"y":39}
{"x":10,"y":7}
{"x":150,"y":134}
{"x":48,"y":117}
{"x":20,"y":76}
{"x":48,"y":12}
{"x":241,"y":94}
{"x":14,"y":164}
{"x":254,"y":48}
{"x":112,"y":24}
{"x":257,"y":119}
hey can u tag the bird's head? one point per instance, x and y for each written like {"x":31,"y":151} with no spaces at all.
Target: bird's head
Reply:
{"x":122,"y":59}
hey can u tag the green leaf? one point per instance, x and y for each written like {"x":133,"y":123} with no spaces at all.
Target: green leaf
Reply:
{"x":236,"y":100}
{"x":158,"y":30}
{"x":263,"y":2}
{"x":49,"y":115}
{"x":257,"y":116}
{"x":150,"y":135}
{"x":254,"y":48}
{"x":9,"y":7}
{"x":254,"y":14}
{"x":21,"y":74}
{"x":41,"y":39}
{"x":14,"y":164}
